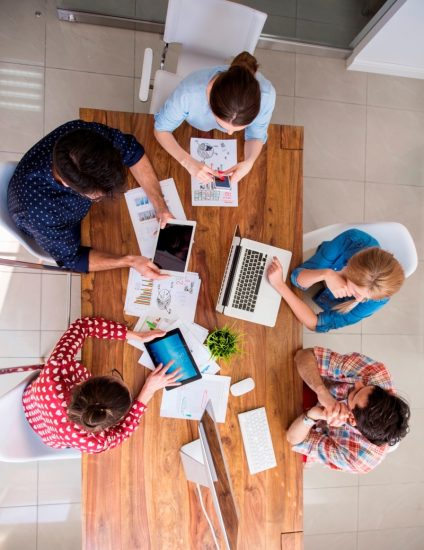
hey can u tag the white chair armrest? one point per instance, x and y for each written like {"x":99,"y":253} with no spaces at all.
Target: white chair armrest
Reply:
{"x":146,"y":73}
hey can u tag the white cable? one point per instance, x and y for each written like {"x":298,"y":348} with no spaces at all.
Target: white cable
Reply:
{"x":207,"y":517}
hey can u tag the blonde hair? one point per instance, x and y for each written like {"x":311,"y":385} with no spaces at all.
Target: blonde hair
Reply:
{"x":376,"y":270}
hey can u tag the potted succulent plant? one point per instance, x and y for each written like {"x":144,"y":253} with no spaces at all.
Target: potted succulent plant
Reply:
{"x":224,"y":342}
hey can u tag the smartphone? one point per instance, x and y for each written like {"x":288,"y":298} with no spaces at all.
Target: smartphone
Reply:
{"x":222,"y":184}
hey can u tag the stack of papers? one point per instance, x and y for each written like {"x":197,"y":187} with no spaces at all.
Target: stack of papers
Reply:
{"x":193,"y":334}
{"x":143,"y":215}
{"x":171,"y":298}
{"x":218,"y":154}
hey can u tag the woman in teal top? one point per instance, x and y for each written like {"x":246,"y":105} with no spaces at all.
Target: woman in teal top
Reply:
{"x":357,"y":278}
{"x":219,"y":98}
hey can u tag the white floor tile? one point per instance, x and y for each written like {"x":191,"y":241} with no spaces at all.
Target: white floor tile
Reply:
{"x":59,"y":527}
{"x":59,"y":482}
{"x":283,"y":111}
{"x":334,"y":138}
{"x":411,"y":538}
{"x":391,"y":506}
{"x":18,"y":484}
{"x":20,"y":301}
{"x":67,"y":91}
{"x":18,"y":528}
{"x":325,"y":78}
{"x":341,"y":343}
{"x":405,"y":464}
{"x":20,"y":343}
{"x":9,"y":381}
{"x":395,"y":141}
{"x":347,"y":541}
{"x":49,"y":339}
{"x":54,"y":299}
{"x":331,"y":201}
{"x":91,"y":48}
{"x":21,"y":106}
{"x":404,"y":358}
{"x":22,"y":33}
{"x":278,"y":68}
{"x":332,"y":510}
{"x":317,"y":476}
{"x":76,"y":298}
{"x":397,"y":203}
{"x":395,"y":92}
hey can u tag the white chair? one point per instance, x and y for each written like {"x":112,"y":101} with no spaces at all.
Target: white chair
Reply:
{"x":392,"y":236}
{"x":19,"y":442}
{"x":44,"y":261}
{"x":210,"y":33}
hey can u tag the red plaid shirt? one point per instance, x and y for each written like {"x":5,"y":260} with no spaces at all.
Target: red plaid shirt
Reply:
{"x":344,"y":447}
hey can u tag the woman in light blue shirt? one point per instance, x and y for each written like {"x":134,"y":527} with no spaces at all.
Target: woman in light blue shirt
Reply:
{"x":219,"y":98}
{"x":357,"y":278}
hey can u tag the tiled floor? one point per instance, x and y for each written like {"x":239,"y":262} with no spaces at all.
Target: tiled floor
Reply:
{"x":363,"y":162}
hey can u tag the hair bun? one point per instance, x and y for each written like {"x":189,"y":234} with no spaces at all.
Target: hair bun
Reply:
{"x":246,"y":61}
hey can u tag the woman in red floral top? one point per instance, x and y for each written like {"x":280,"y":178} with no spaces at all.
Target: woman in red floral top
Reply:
{"x":67,"y":407}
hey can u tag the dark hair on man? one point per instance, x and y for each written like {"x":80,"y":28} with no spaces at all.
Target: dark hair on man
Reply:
{"x":89,"y":163}
{"x":99,"y":403}
{"x":235,"y":95}
{"x":384,"y":419}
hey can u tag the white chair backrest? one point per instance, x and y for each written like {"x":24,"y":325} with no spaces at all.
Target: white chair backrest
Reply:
{"x":19,"y":442}
{"x":392,"y":236}
{"x":213,"y":27}
{"x":6,"y":172}
{"x":165,"y":84}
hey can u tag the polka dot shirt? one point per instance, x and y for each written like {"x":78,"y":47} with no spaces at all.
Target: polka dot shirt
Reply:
{"x":48,"y":211}
{"x":46,"y":399}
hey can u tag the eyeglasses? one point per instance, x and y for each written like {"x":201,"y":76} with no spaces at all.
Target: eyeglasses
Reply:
{"x":115,"y":372}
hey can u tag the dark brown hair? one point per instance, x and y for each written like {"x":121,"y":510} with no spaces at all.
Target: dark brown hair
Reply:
{"x":98,"y":403}
{"x":235,"y":96}
{"x":384,"y":419}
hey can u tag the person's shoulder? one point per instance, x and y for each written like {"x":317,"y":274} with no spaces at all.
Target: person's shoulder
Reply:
{"x":359,"y":236}
{"x":265,"y":84}
{"x":200,"y":78}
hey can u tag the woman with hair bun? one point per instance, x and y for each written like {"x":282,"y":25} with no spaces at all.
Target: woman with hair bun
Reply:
{"x":67,"y":407}
{"x":356,"y":279}
{"x":225,"y":98}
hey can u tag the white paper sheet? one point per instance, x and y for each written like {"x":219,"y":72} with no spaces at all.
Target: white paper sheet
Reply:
{"x":189,"y":401}
{"x":143,"y":216}
{"x":172,"y":297}
{"x":219,"y":155}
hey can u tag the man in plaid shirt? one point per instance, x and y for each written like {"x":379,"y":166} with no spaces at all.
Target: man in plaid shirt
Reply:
{"x":357,"y":416}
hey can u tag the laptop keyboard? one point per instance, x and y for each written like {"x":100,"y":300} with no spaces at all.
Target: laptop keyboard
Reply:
{"x":249,"y":282}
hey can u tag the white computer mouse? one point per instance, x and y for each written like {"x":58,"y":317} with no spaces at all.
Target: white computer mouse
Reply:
{"x":242,"y":387}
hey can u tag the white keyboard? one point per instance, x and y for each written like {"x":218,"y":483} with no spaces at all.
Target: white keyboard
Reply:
{"x":257,"y":440}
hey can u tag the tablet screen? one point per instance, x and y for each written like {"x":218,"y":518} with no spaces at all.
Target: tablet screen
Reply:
{"x":170,"y":347}
{"x":173,"y":247}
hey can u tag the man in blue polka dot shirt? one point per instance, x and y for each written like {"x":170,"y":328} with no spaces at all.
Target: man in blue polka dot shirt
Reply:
{"x":60,"y":177}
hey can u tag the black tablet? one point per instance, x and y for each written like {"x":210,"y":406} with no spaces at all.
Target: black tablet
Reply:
{"x":170,"y":347}
{"x":173,"y":247}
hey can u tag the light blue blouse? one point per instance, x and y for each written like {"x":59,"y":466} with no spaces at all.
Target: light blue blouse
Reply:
{"x":189,"y":102}
{"x":334,"y":255}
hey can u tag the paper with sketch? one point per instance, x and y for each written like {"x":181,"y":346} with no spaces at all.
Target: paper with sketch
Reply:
{"x":189,"y":401}
{"x":143,"y":215}
{"x":219,"y":154}
{"x":190,"y":332}
{"x":172,"y":297}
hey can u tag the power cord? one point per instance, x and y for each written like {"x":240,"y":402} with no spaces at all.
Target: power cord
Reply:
{"x":207,"y":517}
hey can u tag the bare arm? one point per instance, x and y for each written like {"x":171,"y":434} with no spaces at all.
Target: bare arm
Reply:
{"x":146,"y":177}
{"x":195,"y":168}
{"x":101,"y":261}
{"x":309,"y":277}
{"x":307,"y":367}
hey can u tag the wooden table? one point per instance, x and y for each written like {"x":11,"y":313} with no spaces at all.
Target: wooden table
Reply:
{"x":136,"y":496}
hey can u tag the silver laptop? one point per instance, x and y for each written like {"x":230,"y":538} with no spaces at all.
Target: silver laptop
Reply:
{"x":245,"y":291}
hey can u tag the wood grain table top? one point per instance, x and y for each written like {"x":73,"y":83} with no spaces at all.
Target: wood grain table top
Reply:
{"x":136,"y":496}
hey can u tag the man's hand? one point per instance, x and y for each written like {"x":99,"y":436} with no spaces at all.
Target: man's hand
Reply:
{"x":338,"y":414}
{"x":145,"y":336}
{"x":317,"y":413}
{"x":163,"y":217}
{"x":147,"y":268}
{"x":337,"y":284}
{"x":238,"y":171}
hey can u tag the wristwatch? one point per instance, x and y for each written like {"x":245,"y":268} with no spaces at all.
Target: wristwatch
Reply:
{"x":308,"y":421}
